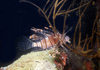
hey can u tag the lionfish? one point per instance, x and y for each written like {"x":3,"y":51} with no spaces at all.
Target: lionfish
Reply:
{"x":47,"y":39}
{"x":51,"y":37}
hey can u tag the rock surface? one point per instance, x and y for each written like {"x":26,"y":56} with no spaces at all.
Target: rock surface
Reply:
{"x":41,"y":60}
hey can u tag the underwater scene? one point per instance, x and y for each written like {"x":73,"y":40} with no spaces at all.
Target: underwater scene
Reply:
{"x":57,"y":35}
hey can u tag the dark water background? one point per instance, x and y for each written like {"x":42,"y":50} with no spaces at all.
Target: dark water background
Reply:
{"x":17,"y":18}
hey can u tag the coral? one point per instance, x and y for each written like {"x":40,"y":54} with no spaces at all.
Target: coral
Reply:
{"x":41,"y":60}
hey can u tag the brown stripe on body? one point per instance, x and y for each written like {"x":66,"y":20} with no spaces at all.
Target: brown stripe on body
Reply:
{"x":50,"y":41}
{"x":43,"y":43}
